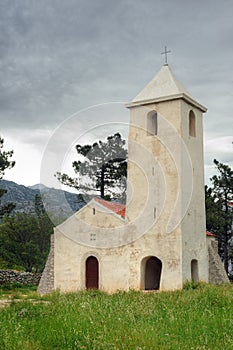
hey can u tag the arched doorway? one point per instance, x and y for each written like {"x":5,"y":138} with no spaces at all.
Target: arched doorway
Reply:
{"x":194,"y":271}
{"x":153,"y":268}
{"x":92,"y":273}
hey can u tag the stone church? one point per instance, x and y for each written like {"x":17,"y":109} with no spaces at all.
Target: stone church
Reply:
{"x":158,"y":240}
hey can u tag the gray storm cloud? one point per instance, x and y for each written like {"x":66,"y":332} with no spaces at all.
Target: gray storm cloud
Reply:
{"x":59,"y":57}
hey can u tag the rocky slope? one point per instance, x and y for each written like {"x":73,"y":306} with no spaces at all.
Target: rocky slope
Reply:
{"x":59,"y":202}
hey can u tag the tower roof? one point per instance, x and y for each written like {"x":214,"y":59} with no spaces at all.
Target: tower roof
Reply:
{"x":164,"y":86}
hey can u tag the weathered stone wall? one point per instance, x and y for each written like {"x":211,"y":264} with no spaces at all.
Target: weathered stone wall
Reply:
{"x":217,"y":273}
{"x":46,"y":284}
{"x":25,"y":278}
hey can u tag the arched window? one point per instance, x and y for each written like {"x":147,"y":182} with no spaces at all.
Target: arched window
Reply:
{"x":194,"y":270}
{"x":152,"y":123}
{"x":192,"y":124}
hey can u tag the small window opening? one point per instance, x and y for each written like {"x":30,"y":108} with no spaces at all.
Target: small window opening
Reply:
{"x":93,"y":211}
{"x":154,"y":213}
{"x":192,"y":124}
{"x":153,"y":171}
{"x":152,"y":123}
{"x":92,"y":237}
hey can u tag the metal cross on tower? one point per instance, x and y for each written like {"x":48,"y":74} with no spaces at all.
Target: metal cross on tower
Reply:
{"x":165,"y":53}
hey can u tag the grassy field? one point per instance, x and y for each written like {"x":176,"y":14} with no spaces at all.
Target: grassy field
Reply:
{"x":200,"y":318}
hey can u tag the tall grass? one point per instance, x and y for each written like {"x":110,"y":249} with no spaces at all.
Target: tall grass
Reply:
{"x":17,"y":291}
{"x":200,"y":318}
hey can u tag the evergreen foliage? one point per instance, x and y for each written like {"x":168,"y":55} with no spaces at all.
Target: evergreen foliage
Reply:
{"x":25,"y":239}
{"x":5,"y":163}
{"x":101,"y":167}
{"x":219,"y":212}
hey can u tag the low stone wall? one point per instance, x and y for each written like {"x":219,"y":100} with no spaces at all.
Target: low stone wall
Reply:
{"x":26,"y":278}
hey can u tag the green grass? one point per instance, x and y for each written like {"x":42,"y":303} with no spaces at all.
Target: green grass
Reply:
{"x":195,"y":318}
{"x":17,"y":291}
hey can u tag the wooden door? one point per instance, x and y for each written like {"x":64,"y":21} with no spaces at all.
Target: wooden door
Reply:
{"x":92,"y":273}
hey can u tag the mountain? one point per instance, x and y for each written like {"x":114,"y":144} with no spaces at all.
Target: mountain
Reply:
{"x":58,"y":202}
{"x":21,"y":195}
{"x":38,"y":187}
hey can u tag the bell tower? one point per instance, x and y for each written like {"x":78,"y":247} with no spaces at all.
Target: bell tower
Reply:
{"x":165,"y":203}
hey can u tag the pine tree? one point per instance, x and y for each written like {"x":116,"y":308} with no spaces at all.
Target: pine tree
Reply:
{"x":102,"y":168}
{"x":219,"y":213}
{"x":5,"y":163}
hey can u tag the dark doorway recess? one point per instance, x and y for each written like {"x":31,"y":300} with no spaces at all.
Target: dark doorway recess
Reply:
{"x":194,"y":270}
{"x":153,"y":270}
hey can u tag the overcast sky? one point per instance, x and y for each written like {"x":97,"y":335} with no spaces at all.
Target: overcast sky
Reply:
{"x":60,"y":57}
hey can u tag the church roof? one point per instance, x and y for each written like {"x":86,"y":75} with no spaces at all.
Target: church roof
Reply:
{"x":117,"y":208}
{"x":164,"y":86}
{"x":209,"y":234}
{"x":120,"y":209}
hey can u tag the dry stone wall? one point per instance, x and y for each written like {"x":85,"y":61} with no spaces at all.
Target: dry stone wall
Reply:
{"x":25,"y":278}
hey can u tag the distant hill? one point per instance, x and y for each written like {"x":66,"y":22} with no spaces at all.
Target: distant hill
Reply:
{"x":59,"y":202}
{"x":38,"y":187}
